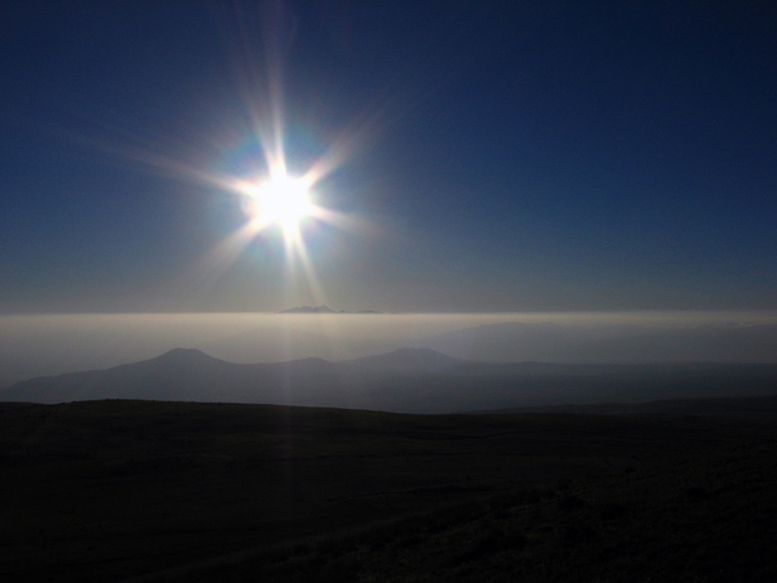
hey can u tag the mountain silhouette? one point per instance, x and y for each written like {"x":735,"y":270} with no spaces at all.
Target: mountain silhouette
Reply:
{"x":184,"y":359}
{"x":408,"y":380}
{"x":309,"y":310}
{"x":407,"y":360}
{"x":323,"y":309}
{"x":192,"y":375}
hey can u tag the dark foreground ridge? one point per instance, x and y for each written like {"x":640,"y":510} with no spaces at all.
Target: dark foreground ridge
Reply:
{"x":710,"y":519}
{"x":171,"y":491}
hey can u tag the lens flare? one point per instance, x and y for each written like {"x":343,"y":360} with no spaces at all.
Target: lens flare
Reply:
{"x":275,"y":202}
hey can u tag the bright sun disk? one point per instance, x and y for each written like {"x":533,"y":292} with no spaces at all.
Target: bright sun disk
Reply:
{"x":282,"y":200}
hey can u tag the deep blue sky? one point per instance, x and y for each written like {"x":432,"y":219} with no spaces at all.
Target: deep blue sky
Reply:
{"x":503,"y":156}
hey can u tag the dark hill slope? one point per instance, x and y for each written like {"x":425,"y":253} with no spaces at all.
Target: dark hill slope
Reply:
{"x":710,"y":518}
{"x":107,"y":490}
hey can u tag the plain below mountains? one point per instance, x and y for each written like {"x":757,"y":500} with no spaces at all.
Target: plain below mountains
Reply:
{"x":409,"y":380}
{"x":617,"y":343}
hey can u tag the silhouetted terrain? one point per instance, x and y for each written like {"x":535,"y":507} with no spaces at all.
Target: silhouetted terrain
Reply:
{"x":408,"y":361}
{"x":109,"y":490}
{"x":577,"y":471}
{"x":407,"y":380}
{"x":707,"y":518}
{"x":35,"y":346}
{"x":754,"y":407}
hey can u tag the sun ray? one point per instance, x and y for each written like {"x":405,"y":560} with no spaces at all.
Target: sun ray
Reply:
{"x":308,"y":269}
{"x":275,"y":201}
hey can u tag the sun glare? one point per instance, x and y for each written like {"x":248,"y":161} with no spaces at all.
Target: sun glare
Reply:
{"x":281,"y":200}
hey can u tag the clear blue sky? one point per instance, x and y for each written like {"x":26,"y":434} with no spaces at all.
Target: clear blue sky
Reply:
{"x":498,"y":156}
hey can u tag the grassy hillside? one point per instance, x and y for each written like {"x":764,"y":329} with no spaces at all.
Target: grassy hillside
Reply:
{"x":117,"y":489}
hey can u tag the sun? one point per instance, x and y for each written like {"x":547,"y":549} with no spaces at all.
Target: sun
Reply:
{"x":280,"y":200}
{"x":284,"y":200}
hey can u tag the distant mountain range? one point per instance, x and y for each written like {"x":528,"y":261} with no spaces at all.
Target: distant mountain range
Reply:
{"x":407,"y":361}
{"x":322,"y":310}
{"x":45,"y":347}
{"x":407,"y":380}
